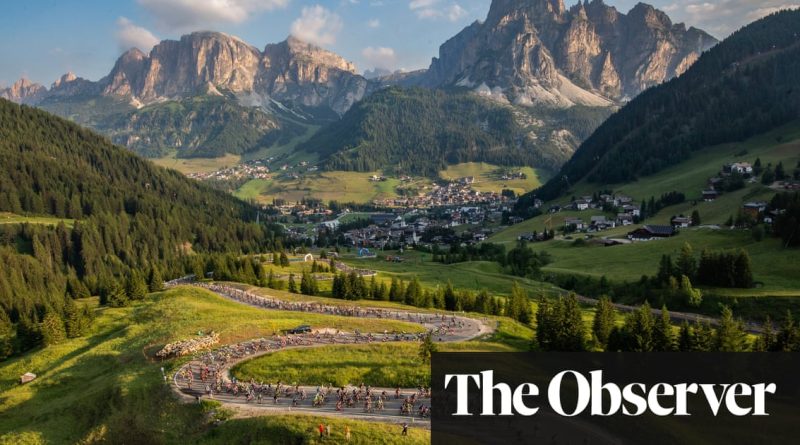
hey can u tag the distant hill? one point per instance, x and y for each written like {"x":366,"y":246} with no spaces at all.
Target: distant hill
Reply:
{"x":421,"y":131}
{"x":746,"y":85}
{"x":129,"y":215}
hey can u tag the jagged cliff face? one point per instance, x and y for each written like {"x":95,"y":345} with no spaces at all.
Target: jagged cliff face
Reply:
{"x":24,"y":91}
{"x":539,"y":52}
{"x":216,"y":63}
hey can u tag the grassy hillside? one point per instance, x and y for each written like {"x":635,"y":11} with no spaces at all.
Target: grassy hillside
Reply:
{"x":773,"y":266}
{"x":744,"y":86}
{"x":339,"y":186}
{"x":420,"y":131}
{"x":488,"y":177}
{"x":107,"y":386}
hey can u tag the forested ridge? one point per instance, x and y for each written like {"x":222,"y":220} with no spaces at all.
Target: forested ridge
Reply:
{"x":133,"y":222}
{"x":746,"y":85}
{"x":421,"y":131}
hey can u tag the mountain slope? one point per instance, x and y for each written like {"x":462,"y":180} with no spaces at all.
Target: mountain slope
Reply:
{"x":421,"y":131}
{"x":130,"y":215}
{"x":538,"y":51}
{"x":746,"y":85}
{"x":206,"y":94}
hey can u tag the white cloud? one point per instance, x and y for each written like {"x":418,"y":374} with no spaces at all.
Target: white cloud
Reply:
{"x":183,"y":14}
{"x":455,"y":12}
{"x":722,"y":17}
{"x":434,"y":9}
{"x":317,"y":25}
{"x":380,"y":57}
{"x":374,"y":23}
{"x":130,"y":36}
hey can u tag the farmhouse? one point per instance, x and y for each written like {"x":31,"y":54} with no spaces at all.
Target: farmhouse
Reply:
{"x":739,"y":167}
{"x":580,"y":204}
{"x":575,"y":222}
{"x":651,"y":232}
{"x":754,"y":208}
{"x":710,"y":195}
{"x":624,"y":219}
{"x":681,"y":221}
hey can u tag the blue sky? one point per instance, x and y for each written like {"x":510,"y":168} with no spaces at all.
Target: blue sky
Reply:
{"x":42,"y":39}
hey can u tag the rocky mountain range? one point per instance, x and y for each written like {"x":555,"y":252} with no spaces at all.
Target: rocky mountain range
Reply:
{"x":291,"y":72}
{"x":539,"y":52}
{"x":531,"y":54}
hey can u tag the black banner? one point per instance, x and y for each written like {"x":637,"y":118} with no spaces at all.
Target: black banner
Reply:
{"x":615,"y":398}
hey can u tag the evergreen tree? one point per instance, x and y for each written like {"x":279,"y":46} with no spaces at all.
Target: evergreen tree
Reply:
{"x":76,"y":322}
{"x":789,"y":335}
{"x":665,"y":269}
{"x":685,"y":342}
{"x":135,"y":287}
{"x":292,"y":284}
{"x":383,"y":292}
{"x":394,"y":290}
{"x":686,"y":264}
{"x":696,"y":218}
{"x":449,"y":297}
{"x":603,"y":323}
{"x":29,"y":333}
{"x":426,"y":349}
{"x":691,"y":296}
{"x":155,"y":281}
{"x":768,"y":340}
{"x":271,"y":281}
{"x":663,"y":336}
{"x":6,"y":336}
{"x":703,"y":336}
{"x":284,"y":260}
{"x":731,"y":336}
{"x":573,"y":336}
{"x":52,"y":329}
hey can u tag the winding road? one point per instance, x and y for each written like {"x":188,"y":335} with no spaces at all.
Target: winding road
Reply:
{"x":207,"y":375}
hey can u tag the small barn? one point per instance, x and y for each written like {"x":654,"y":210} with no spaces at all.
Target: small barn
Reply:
{"x":651,"y":232}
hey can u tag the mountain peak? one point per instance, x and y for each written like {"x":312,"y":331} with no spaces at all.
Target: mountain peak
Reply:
{"x":23,"y":91}
{"x":538,"y":52}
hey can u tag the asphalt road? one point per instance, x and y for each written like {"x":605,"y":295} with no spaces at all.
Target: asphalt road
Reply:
{"x":188,"y":382}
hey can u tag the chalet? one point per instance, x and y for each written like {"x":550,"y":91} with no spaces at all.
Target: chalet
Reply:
{"x":632,"y":209}
{"x":710,"y":195}
{"x":601,"y":223}
{"x":754,"y":208}
{"x":574,"y":222}
{"x":580,"y":204}
{"x":681,"y":221}
{"x":537,"y":203}
{"x":622,"y":199}
{"x":652,"y":232}
{"x":515,"y":220}
{"x":624,"y":219}
{"x":739,"y":167}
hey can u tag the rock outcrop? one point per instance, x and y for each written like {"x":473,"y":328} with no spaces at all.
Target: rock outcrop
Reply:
{"x":540,"y":52}
{"x":24,"y":91}
{"x":215,"y":63}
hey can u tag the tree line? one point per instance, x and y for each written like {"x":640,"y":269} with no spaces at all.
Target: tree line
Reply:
{"x":123,"y":220}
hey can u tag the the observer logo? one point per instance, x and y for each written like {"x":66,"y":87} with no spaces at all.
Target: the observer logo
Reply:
{"x":592,"y":395}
